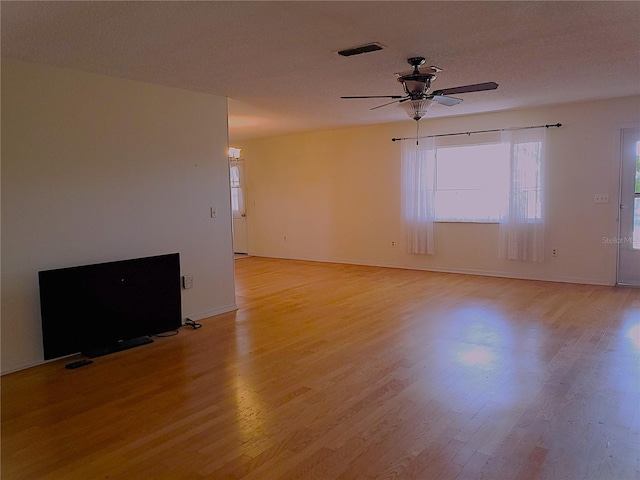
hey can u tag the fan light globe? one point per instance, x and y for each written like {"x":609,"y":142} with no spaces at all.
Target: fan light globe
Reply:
{"x":416,"y":109}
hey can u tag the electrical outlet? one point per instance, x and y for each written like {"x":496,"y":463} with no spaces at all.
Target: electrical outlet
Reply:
{"x":213,"y":212}
{"x":554,"y":252}
{"x":601,"y":198}
{"x":393,"y":244}
{"x":187,"y":281}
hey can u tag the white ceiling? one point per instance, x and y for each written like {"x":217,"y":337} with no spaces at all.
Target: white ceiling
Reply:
{"x":277,"y":61}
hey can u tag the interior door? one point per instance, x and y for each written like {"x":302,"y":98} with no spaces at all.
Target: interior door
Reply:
{"x":629,"y":238}
{"x":240,"y":240}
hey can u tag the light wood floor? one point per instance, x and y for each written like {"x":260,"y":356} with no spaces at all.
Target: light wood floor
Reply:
{"x":344,"y":372}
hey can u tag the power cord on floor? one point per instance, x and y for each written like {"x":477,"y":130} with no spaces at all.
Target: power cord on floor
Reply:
{"x":170,"y":333}
{"x":192,"y":324}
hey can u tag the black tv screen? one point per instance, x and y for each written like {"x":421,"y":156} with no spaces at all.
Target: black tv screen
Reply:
{"x":96,"y":309}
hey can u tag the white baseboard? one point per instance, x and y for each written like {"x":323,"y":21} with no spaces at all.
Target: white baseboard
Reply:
{"x":462,"y":271}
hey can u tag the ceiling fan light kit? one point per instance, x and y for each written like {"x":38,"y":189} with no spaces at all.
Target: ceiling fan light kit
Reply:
{"x":416,"y":85}
{"x":416,"y":109}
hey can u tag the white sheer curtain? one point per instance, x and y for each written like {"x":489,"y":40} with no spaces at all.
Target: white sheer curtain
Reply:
{"x":522,"y":223}
{"x":418,"y":186}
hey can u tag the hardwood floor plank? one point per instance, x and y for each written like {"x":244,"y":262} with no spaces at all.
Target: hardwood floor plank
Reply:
{"x":331,"y":371}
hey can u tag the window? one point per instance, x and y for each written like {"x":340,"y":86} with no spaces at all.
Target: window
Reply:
{"x":235,"y":184}
{"x":637,"y":191}
{"x":472,"y":182}
{"x":237,"y":195}
{"x":636,"y":203}
{"x":526,"y":180}
{"x":497,"y":180}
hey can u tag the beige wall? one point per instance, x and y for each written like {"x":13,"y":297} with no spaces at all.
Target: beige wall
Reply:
{"x":98,"y":169}
{"x":335,"y":195}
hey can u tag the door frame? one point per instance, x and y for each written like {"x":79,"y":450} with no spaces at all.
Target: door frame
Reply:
{"x":621,"y":165}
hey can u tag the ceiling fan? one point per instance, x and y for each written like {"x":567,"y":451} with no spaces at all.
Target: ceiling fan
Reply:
{"x":416,"y":84}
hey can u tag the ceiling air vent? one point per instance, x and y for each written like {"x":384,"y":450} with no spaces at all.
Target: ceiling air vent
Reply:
{"x":369,"y":47}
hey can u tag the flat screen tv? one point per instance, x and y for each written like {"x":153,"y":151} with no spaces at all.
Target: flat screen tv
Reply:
{"x":107,"y":307}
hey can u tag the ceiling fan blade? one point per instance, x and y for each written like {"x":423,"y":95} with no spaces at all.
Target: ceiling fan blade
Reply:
{"x":376,"y":96}
{"x":477,"y":87}
{"x":447,"y":101}
{"x":402,"y":99}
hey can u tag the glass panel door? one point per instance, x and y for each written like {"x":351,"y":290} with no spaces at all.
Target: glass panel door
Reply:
{"x":629,"y":239}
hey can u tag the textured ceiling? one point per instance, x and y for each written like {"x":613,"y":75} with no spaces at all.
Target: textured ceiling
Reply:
{"x":277,"y":61}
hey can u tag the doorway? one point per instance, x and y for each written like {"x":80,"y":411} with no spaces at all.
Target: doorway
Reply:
{"x":238,"y":207}
{"x":629,"y":235}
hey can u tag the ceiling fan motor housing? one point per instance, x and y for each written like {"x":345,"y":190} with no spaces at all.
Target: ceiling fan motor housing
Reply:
{"x":416,"y":84}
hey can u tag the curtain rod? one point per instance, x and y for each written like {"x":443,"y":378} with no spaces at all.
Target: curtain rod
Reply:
{"x":557,"y":125}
